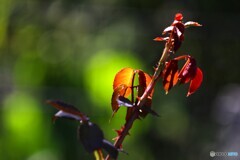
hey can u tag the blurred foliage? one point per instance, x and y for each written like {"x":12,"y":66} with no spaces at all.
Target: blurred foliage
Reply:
{"x":71,"y":50}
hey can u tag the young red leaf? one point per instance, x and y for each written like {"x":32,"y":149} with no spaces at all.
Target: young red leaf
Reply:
{"x":177,"y":42}
{"x":170,"y":75}
{"x":196,"y":82}
{"x":176,"y":32}
{"x":178,"y":35}
{"x":168,"y":30}
{"x":144,"y":80}
{"x":180,"y":26}
{"x":161,"y":39}
{"x":192,"y":24}
{"x":178,"y":17}
{"x":119,"y":91}
{"x":124,"y":77}
{"x":188,"y":71}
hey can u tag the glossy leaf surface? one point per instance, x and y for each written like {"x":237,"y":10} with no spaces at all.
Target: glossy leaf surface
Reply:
{"x":124,"y":77}
{"x":196,"y":82}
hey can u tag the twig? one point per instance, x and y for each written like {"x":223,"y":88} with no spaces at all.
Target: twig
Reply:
{"x":143,"y":98}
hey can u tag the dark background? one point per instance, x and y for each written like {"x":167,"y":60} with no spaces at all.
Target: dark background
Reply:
{"x":71,"y":50}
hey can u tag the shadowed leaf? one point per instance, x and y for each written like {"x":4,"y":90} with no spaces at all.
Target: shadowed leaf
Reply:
{"x":144,"y":81}
{"x":122,"y":101}
{"x":67,"y":111}
{"x":91,"y":136}
{"x":111,"y":149}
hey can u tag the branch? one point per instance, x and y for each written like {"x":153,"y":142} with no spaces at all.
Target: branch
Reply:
{"x":141,"y":102}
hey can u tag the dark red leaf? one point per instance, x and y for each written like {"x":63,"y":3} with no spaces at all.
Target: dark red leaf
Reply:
{"x":144,"y":80}
{"x":192,"y":24}
{"x":188,"y":71}
{"x":195,"y":82}
{"x":180,"y":26}
{"x":170,"y":75}
{"x":178,"y":35}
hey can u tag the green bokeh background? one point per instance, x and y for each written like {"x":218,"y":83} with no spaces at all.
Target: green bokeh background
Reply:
{"x":71,"y":50}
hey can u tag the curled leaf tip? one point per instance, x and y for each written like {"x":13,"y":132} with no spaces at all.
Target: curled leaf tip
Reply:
{"x":122,"y":101}
{"x":188,"y":94}
{"x":192,"y":24}
{"x":159,"y":39}
{"x":67,"y":111}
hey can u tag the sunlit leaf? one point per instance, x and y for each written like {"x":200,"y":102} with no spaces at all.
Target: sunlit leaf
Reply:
{"x":170,"y":75}
{"x":124,"y":77}
{"x":119,"y":91}
{"x":196,"y":82}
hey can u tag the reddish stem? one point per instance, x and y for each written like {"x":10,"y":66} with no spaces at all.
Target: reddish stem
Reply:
{"x":143,"y":98}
